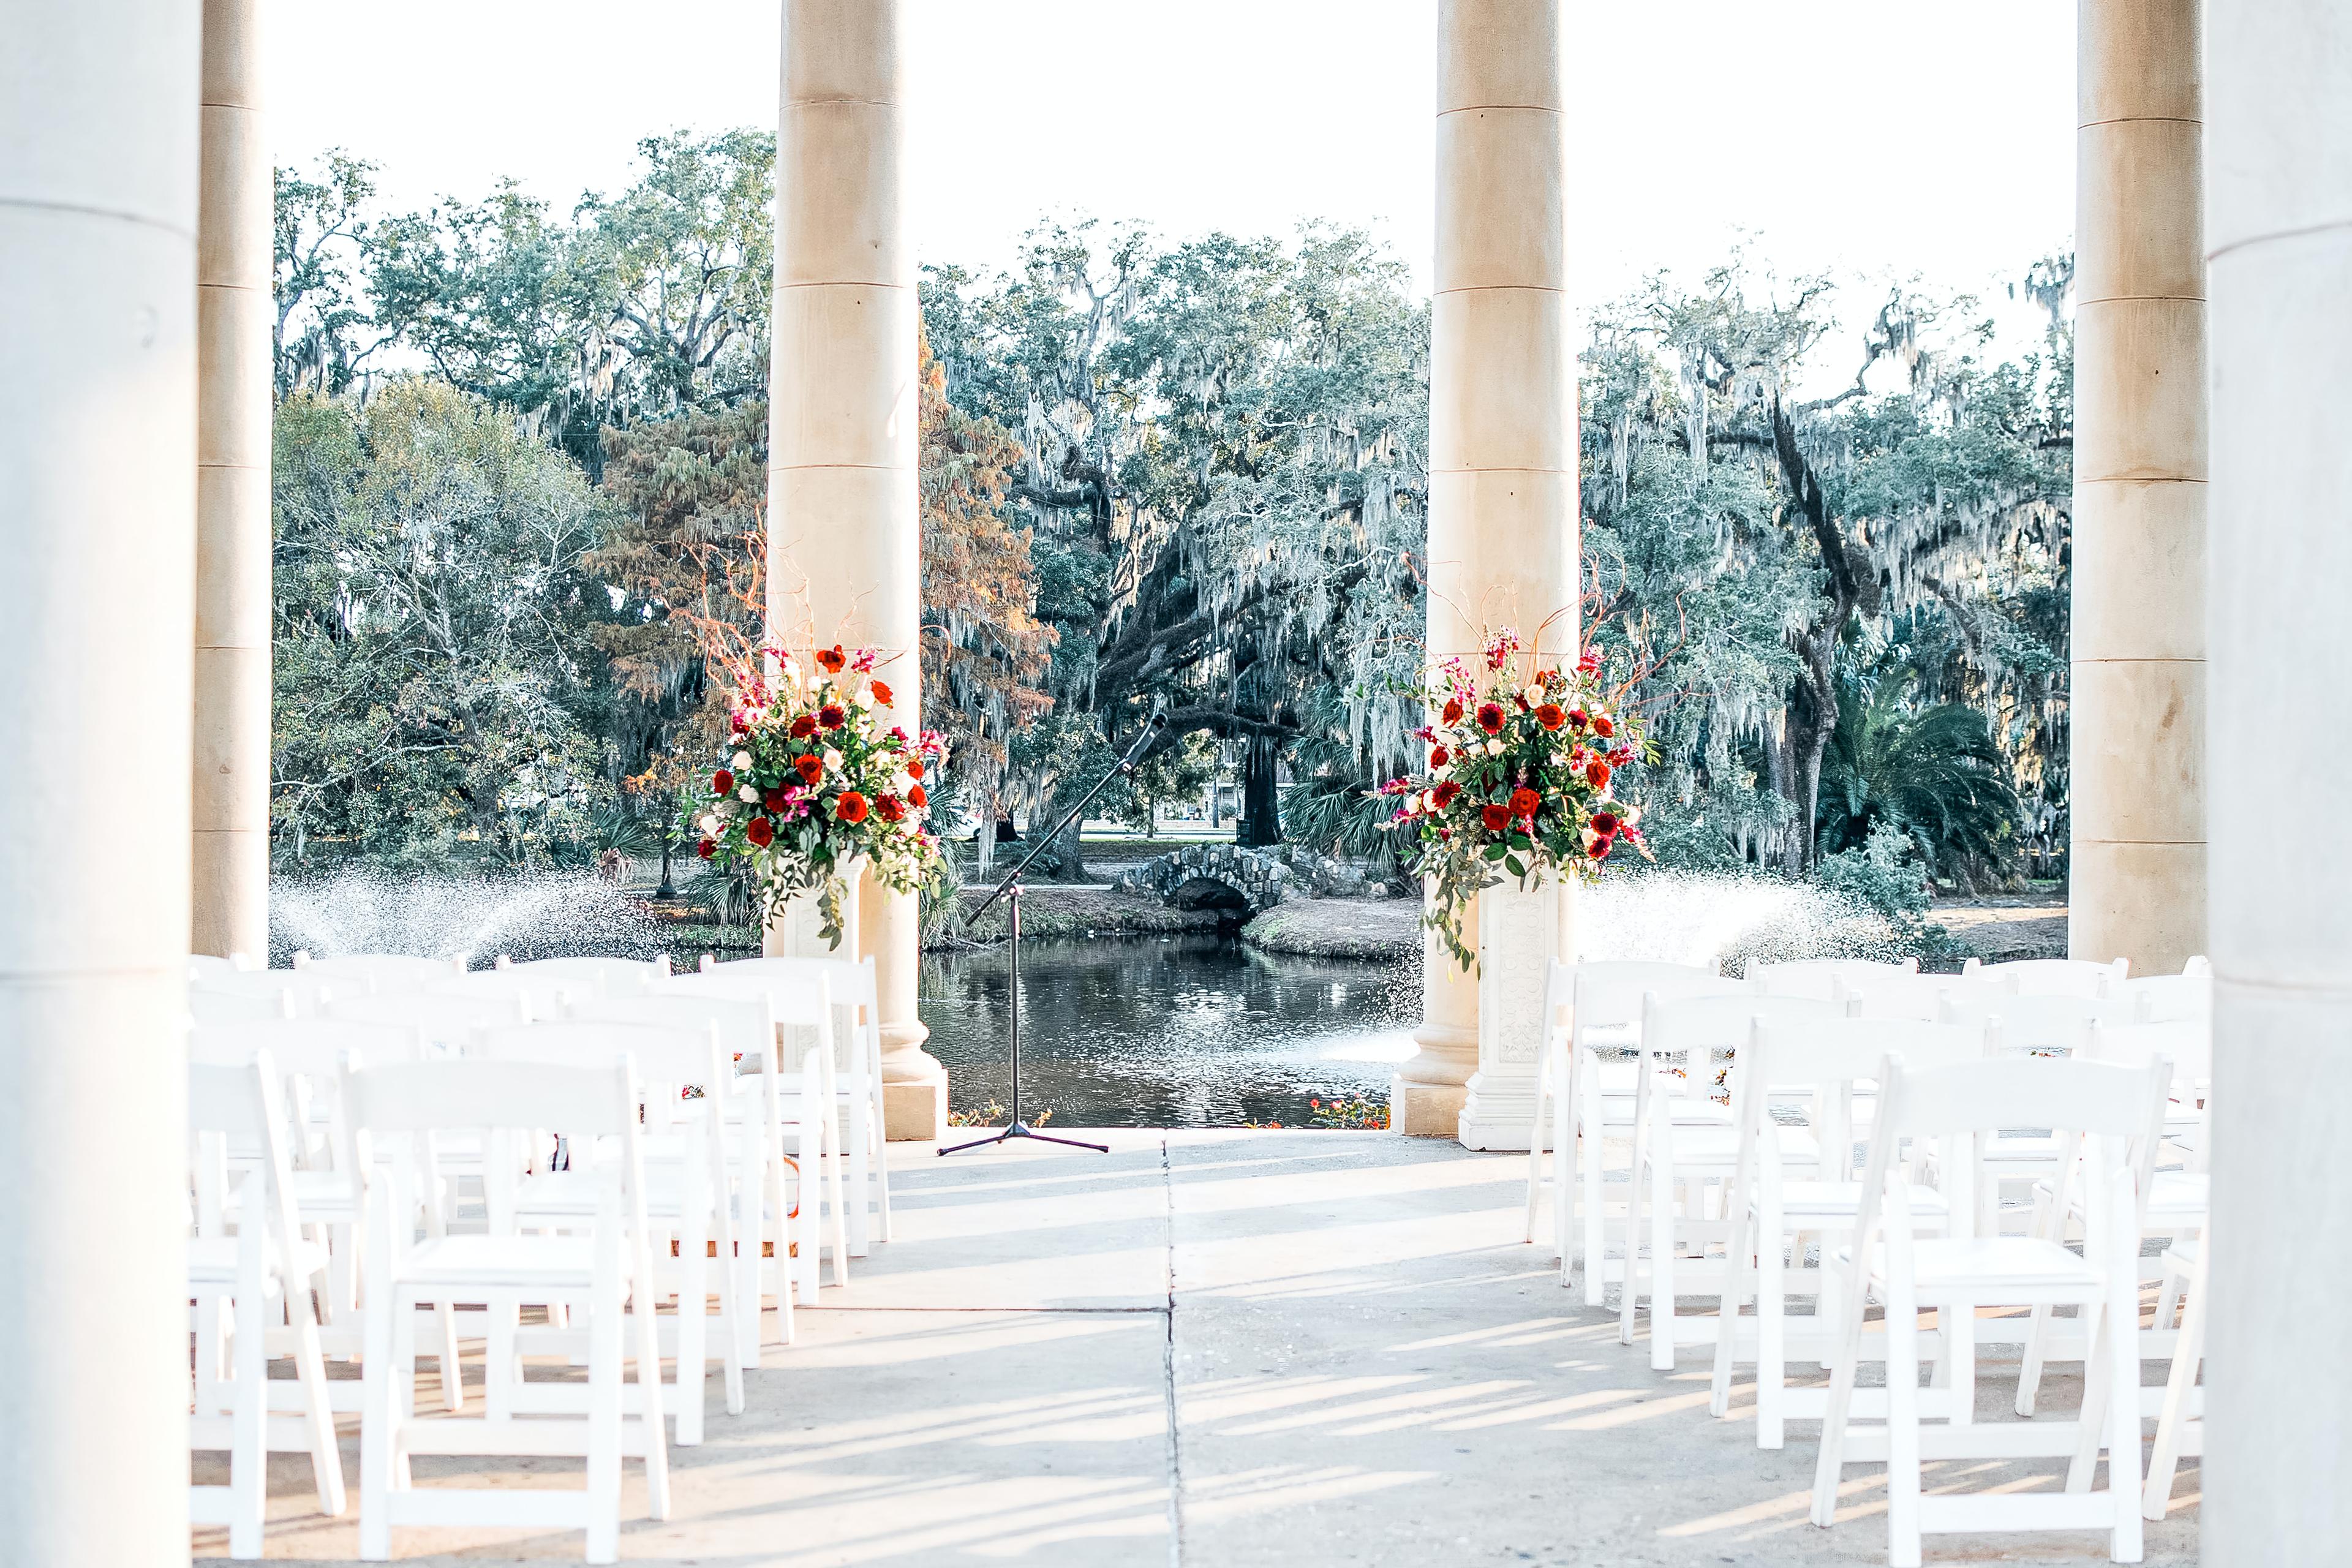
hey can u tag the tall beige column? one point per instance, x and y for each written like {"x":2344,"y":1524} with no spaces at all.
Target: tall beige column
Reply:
{"x":843,"y":528}
{"x":2138,"y":861}
{"x":2279,"y":233}
{"x":98,"y":424}
{"x":1502,"y":447}
{"x":230,"y":910}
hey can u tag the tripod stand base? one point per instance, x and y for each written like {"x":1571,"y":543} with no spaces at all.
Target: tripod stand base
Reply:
{"x":1019,"y":1130}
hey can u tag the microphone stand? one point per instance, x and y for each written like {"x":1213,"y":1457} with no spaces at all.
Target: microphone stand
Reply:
{"x":1010,"y":890}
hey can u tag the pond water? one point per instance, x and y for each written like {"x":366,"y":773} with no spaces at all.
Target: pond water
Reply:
{"x":1180,"y":1031}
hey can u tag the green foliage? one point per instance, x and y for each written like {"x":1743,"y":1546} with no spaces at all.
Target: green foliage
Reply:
{"x":1883,"y":873}
{"x":1932,"y":774}
{"x":433,"y":669}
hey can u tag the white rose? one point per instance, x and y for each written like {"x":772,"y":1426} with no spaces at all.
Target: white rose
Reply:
{"x":709,"y":823}
{"x":864,"y":699}
{"x":791,"y":672}
{"x":1494,"y":748}
{"x":1533,"y":695}
{"x":742,"y":761}
{"x":832,"y":761}
{"x":747,"y":794}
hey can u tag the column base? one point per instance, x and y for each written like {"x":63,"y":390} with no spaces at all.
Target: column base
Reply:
{"x":1498,"y":1112}
{"x":1426,"y":1109}
{"x":915,"y":1108}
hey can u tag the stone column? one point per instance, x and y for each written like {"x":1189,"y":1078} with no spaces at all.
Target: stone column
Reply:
{"x":842,"y":530}
{"x":1501,"y":451}
{"x":2279,"y":237}
{"x":2138,"y":860}
{"x":98,"y":442}
{"x":234,"y":234}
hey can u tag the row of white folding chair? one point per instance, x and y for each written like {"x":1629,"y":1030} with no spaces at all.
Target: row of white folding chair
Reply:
{"x":1825,"y":979}
{"x":683,"y":1077}
{"x":2051,"y":976}
{"x":2113,"y":1114}
{"x":263,"y":1276}
{"x":2173,"y":1203}
{"x":770,"y":1236}
{"x":1680,"y":1161}
{"x":1772,"y":1215}
{"x":1575,"y":1109}
{"x":597,"y":1278}
{"x":310,"y":1056}
{"x":856,"y":1057}
{"x":378,"y":973}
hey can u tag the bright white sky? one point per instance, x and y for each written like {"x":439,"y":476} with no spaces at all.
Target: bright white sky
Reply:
{"x":1881,"y":139}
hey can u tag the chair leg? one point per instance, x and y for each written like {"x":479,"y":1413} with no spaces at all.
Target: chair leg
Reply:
{"x":1596,"y":1235}
{"x":1958,"y":1319}
{"x":1737,"y":1277}
{"x":2028,"y":1376}
{"x":1902,"y":1427}
{"x":2122,"y":1415}
{"x":693,"y":1338}
{"x":326,"y":1459}
{"x":453,"y":1377}
{"x":1535,"y":1146}
{"x":861,"y":1177}
{"x":2188,"y":1353}
{"x":1772,"y":1340}
{"x":649,"y":1394}
{"x":1828,"y":1463}
{"x":249,"y":1457}
{"x":832,"y":1192}
{"x":605,"y":1421}
{"x":1662,"y":1265}
{"x":1564,"y":1227}
{"x":376,"y":1421}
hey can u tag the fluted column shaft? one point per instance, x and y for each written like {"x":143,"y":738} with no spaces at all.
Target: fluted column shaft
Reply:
{"x":843,"y":528}
{"x":2279,"y":232}
{"x":2137,"y":715}
{"x":1502,"y":422}
{"x":98,"y":424}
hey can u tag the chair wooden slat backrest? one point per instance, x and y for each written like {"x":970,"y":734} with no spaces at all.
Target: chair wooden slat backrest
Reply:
{"x":1821,"y":977}
{"x":209,"y":1006}
{"x":241,"y":1104}
{"x":444,"y":1020}
{"x":386,"y":974}
{"x":309,"y":993}
{"x":2053,"y":977}
{"x":587,"y":975}
{"x":546,"y":995}
{"x":850,"y":987}
{"x":2040,"y":1023}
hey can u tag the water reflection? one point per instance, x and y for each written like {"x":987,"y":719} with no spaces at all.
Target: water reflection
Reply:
{"x":1190,"y":1031}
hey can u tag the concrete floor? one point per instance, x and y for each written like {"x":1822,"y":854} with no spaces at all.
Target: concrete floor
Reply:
{"x":1220,"y":1350}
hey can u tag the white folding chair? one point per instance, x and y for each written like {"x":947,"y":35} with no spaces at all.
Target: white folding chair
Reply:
{"x":262,"y":1272}
{"x":546,"y":993}
{"x":595,"y":1277}
{"x":592,"y":977}
{"x":1832,"y":1063}
{"x":327,"y":1185}
{"x":683,"y":1078}
{"x":2035,"y":1023}
{"x":384,"y":973}
{"x":446,"y":1021}
{"x":2162,"y":998}
{"x":1677,"y":1152}
{"x":2111,"y":1113}
{"x":1587,"y":1104}
{"x":2199,"y":966}
{"x":1913,"y":998}
{"x":1821,"y":978}
{"x":764,"y":1212}
{"x":2180,"y":1415}
{"x":857,"y":1080}
{"x":806,"y":1113}
{"x":206,"y":1005}
{"x":2052,"y":976}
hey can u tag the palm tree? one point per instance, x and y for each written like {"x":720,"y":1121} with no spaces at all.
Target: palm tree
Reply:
{"x":1932,"y":772}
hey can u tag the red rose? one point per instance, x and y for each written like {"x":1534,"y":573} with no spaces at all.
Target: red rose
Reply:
{"x":722,"y":782}
{"x":775,"y":800}
{"x":707,"y":849}
{"x":882,"y":694}
{"x":761,"y":832}
{"x":1444,"y":793}
{"x":915,"y":795}
{"x":1601,"y":846}
{"x":1602,"y":727}
{"x":1490,"y":718}
{"x":831,"y":659}
{"x":1497,"y":818}
{"x":1439,"y":756}
{"x":1549,"y":715}
{"x":830,"y":716}
{"x":804,"y":727}
{"x":1453,"y":714}
{"x":889,"y":808}
{"x":1576,"y":720}
{"x":812,"y":768}
{"x":1596,"y":774}
{"x":850,"y":807}
{"x":1604,"y":823}
{"x":1524,"y":802}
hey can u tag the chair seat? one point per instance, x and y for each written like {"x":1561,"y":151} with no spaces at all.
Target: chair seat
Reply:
{"x":212,"y":1259}
{"x":573,"y":1195}
{"x":1617,"y":1110}
{"x":491,"y":1262}
{"x":1983,"y":1267}
{"x":1720,"y":1146}
{"x":1840,"y":1200}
